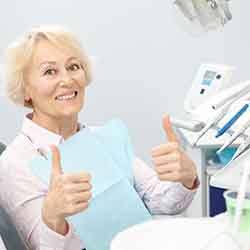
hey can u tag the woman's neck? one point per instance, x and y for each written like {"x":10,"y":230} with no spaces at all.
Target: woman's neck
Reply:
{"x":65,"y":127}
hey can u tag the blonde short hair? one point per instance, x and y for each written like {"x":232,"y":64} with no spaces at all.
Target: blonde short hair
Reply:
{"x":19,"y":54}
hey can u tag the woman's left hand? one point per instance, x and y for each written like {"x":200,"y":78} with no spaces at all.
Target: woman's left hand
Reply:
{"x":171,"y":162}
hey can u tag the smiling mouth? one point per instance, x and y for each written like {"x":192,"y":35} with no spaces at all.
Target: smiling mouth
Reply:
{"x":67,"y":97}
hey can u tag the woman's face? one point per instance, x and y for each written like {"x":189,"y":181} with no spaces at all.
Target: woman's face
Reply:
{"x":55,"y":81}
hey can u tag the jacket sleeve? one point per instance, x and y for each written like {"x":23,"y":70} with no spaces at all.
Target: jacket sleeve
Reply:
{"x":21,"y":194}
{"x":160,"y":197}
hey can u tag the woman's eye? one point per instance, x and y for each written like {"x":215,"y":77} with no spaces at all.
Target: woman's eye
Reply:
{"x":74,"y":67}
{"x":50,"y":72}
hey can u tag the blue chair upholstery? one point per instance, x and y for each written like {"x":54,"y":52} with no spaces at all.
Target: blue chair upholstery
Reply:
{"x":8,"y":231}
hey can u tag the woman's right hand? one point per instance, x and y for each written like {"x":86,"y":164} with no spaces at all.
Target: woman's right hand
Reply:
{"x":68,"y":194}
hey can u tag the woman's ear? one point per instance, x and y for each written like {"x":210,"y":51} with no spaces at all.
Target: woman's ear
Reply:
{"x":27,"y":97}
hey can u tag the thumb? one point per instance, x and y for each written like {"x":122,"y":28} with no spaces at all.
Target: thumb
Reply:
{"x":56,"y":161}
{"x":170,"y":133}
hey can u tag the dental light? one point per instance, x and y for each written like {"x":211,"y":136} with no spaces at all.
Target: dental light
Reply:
{"x":202,"y":15}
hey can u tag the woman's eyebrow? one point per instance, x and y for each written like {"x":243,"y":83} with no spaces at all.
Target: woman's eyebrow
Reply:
{"x":47,"y":62}
{"x":72,"y":58}
{"x":54,"y":62}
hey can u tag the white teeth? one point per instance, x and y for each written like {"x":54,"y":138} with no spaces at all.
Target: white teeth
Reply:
{"x":66,"y":97}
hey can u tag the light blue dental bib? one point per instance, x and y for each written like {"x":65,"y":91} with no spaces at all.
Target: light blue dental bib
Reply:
{"x":106,"y":153}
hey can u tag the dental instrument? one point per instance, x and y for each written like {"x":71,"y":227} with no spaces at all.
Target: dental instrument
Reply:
{"x":209,"y":80}
{"x":237,"y":92}
{"x":242,"y":148}
{"x":191,"y":125}
{"x":234,"y":92}
{"x":235,"y":135}
{"x":212,"y":122}
{"x":232,"y":121}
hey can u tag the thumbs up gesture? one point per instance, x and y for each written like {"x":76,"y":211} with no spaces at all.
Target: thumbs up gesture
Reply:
{"x":68,"y":194}
{"x":171,"y":162}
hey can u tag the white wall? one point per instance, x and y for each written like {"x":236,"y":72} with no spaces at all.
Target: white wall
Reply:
{"x":144,"y":62}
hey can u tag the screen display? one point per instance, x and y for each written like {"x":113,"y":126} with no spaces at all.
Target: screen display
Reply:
{"x":208,"y":77}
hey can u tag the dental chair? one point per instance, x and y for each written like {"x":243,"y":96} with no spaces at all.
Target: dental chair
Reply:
{"x":8,"y":231}
{"x":2,"y":148}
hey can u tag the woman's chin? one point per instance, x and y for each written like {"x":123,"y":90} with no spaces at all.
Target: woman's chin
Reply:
{"x":69,"y":112}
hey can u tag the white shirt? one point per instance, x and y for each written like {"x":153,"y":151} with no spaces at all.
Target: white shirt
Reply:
{"x":22,"y":193}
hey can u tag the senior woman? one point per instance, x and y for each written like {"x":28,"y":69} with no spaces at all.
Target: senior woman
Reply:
{"x":48,"y":72}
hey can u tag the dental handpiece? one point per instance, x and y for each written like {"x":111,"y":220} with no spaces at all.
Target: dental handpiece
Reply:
{"x":233,"y":94}
{"x":212,"y":122}
{"x":242,"y":148}
{"x":235,"y":135}
{"x":191,"y":125}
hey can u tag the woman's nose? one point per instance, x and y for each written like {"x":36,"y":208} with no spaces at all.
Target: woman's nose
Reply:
{"x":66,"y":78}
